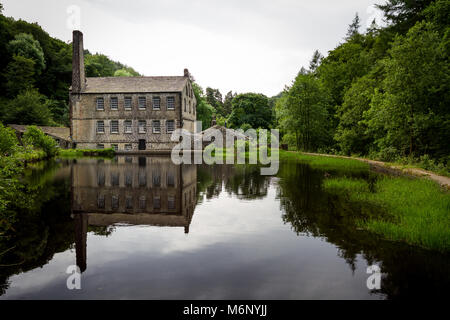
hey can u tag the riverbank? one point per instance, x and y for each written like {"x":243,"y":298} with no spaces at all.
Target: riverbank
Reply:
{"x":414,"y":210}
{"x":443,"y":181}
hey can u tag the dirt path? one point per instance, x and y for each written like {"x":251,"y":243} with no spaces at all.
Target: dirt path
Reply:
{"x":382,"y":166}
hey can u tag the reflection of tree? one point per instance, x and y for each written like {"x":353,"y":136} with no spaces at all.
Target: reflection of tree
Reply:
{"x":243,"y":181}
{"x":42,"y":228}
{"x":408,"y":271}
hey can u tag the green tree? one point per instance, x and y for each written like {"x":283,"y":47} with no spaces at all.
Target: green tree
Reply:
{"x":214,"y":98}
{"x":351,"y":133}
{"x":251,"y":108}
{"x":227,"y":103}
{"x":122,"y":73}
{"x":20,"y":75}
{"x":26,"y":46}
{"x":204,"y":110}
{"x":410,"y":116}
{"x":302,"y":112}
{"x":29,"y":107}
{"x":353,"y":28}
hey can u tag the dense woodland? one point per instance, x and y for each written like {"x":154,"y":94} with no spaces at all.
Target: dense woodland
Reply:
{"x":383,"y":92}
{"x":36,"y":72}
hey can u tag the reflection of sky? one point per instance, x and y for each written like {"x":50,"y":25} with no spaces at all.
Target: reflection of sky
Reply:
{"x":234,"y":249}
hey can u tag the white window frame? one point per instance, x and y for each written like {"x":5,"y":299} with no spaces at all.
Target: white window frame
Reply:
{"x":159,"y":103}
{"x":125,"y":127}
{"x":142,"y":106}
{"x":154,"y":127}
{"x":116,"y":103}
{"x":98,"y":127}
{"x":126,"y":107}
{"x":168,"y":105}
{"x":140,"y":122}
{"x":111,"y":128}
{"x":167,"y":126}
{"x":100,"y":106}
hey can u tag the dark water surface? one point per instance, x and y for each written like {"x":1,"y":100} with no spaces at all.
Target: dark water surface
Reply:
{"x":144,"y":228}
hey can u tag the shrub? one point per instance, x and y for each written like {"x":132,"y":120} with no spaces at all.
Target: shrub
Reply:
{"x":8,"y":140}
{"x":34,"y":136}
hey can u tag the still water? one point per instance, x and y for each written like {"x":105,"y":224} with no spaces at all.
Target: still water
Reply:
{"x":144,"y":228}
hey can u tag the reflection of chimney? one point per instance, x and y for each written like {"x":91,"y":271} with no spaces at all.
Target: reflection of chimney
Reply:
{"x":186,"y":73}
{"x":186,"y":229}
{"x":78,"y":77}
{"x":81,"y":224}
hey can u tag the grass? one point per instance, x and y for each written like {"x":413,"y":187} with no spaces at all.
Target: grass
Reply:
{"x":326,"y":163}
{"x":74,"y":153}
{"x":418,"y":210}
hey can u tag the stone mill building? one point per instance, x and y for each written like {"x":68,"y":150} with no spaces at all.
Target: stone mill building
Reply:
{"x":128,"y":114}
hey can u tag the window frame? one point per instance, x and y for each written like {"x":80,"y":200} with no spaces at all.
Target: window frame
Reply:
{"x":156,"y":98}
{"x":111,"y":126}
{"x":111,"y":103}
{"x":97,"y":100}
{"x":167,"y":102}
{"x":97,"y":127}
{"x":125,"y":126}
{"x":140,"y":122}
{"x":154,"y":127}
{"x":125,"y":106}
{"x":167,"y":126}
{"x":142,"y":106}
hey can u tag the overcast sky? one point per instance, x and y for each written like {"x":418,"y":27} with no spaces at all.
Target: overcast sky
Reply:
{"x":239,"y":45}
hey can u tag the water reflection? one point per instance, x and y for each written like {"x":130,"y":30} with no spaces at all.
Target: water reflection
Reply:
{"x":136,"y":191}
{"x":252,"y":236}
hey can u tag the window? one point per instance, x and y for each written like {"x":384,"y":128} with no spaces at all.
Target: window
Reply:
{"x":128,"y":147}
{"x":127,"y":103}
{"x":100,"y":104}
{"x":184,"y":104}
{"x":170,"y":103}
{"x":114,"y":103}
{"x":156,"y":202}
{"x":100,"y":126}
{"x":129,"y":202}
{"x":142,"y":202}
{"x":114,"y":126}
{"x":170,"y":180}
{"x":128,"y":179}
{"x":156,"y":103}
{"x":115,"y":179}
{"x":101,"y":201}
{"x":142,"y":102}
{"x":128,"y":126}
{"x":101,"y":178}
{"x":170,"y":126}
{"x":142,"y":177}
{"x":190,"y":107}
{"x":156,"y":179}
{"x":100,"y":146}
{"x":171,"y":202}
{"x":142,"y":126}
{"x":156,"y":126}
{"x":114,"y":202}
{"x":115,"y":147}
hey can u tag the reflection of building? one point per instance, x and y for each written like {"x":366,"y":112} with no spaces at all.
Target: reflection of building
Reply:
{"x":133,"y":190}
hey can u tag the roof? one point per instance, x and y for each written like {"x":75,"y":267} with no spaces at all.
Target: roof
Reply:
{"x":135,"y":84}
{"x":57,"y":132}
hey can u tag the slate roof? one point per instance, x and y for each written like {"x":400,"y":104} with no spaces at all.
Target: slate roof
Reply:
{"x":57,"y":132}
{"x":135,"y":84}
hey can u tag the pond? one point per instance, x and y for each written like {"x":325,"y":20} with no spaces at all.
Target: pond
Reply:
{"x":144,"y":228}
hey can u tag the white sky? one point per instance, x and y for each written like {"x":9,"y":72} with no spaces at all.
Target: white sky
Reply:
{"x":239,"y":45}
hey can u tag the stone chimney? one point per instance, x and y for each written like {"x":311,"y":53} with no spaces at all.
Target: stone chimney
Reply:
{"x":186,"y":73}
{"x":78,"y":77}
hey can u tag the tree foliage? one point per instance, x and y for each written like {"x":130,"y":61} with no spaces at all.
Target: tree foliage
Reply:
{"x":252,"y":109}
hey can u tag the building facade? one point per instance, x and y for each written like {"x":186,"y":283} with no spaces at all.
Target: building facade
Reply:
{"x":128,"y":114}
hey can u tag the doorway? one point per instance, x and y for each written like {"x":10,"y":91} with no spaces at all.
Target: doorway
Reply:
{"x":141,"y":144}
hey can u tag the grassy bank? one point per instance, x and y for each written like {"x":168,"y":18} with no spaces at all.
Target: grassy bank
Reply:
{"x":326,"y":163}
{"x":417,"y":209}
{"x":74,"y":153}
